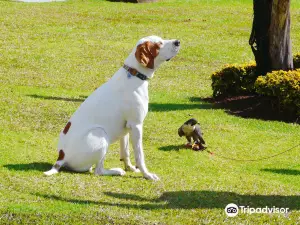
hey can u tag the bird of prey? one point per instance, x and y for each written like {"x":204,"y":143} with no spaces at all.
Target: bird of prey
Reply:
{"x":191,"y":129}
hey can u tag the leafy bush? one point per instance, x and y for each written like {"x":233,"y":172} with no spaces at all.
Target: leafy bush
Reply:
{"x":234,"y":80}
{"x":283,"y":86}
{"x":296,"y":60}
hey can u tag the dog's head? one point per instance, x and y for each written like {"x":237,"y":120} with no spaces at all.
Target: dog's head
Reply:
{"x":152,"y":51}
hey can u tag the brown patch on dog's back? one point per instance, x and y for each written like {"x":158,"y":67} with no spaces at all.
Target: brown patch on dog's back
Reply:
{"x":61,"y":155}
{"x":67,"y":127}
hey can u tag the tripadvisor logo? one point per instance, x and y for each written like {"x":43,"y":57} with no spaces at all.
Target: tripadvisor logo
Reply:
{"x":232,"y":210}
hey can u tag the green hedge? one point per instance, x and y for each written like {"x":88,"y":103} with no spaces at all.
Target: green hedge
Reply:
{"x":296,"y":60}
{"x":283,"y":86}
{"x":234,"y":80}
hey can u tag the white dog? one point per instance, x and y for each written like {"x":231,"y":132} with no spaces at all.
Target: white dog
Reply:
{"x":114,"y":110}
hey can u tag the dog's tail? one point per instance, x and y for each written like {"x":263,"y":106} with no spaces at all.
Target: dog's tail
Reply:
{"x":59,"y":163}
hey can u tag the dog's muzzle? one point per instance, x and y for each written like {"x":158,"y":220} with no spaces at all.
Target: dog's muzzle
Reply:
{"x":176,"y":46}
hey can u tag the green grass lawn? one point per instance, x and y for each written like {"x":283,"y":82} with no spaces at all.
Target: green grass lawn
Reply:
{"x":53,"y":55}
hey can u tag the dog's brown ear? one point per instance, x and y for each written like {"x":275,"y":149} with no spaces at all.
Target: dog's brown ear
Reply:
{"x":146,"y":53}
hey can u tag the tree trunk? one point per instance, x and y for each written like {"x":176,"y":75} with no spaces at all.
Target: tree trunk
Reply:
{"x":270,"y":37}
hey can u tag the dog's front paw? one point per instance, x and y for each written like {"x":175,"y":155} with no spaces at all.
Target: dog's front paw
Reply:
{"x":151,"y":176}
{"x":132,"y":168}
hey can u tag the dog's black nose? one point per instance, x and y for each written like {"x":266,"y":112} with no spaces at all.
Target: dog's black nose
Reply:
{"x":177,"y":43}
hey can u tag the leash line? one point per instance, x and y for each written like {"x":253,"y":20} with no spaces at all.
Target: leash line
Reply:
{"x":252,"y":160}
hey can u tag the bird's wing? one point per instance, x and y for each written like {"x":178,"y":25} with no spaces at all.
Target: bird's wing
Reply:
{"x":198,"y":133}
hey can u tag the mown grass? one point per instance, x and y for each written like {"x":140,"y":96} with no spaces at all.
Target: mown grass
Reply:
{"x":53,"y":55}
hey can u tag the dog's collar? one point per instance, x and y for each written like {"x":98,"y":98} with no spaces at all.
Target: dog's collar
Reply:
{"x":135,"y":73}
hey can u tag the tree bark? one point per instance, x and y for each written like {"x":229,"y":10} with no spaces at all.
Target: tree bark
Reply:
{"x":270,"y":37}
{"x":280,"y":41}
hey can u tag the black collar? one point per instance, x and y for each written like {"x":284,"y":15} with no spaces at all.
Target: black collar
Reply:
{"x":135,"y":73}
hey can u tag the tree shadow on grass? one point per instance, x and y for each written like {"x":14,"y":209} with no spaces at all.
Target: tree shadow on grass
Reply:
{"x":189,"y":200}
{"x":38,"y":166}
{"x":283,"y":171}
{"x":81,"y":99}
{"x":165,"y":107}
{"x":249,"y":106}
{"x":127,"y":1}
{"x":155,"y":107}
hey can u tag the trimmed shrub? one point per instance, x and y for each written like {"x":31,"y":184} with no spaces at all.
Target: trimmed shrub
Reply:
{"x":283,"y":86}
{"x":296,"y":60}
{"x":234,"y":80}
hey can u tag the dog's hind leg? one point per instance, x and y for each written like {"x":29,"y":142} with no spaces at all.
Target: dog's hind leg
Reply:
{"x":97,"y":141}
{"x":59,"y":163}
{"x":111,"y":172}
